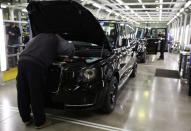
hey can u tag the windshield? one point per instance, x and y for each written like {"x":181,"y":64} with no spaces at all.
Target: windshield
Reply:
{"x":140,"y":33}
{"x":110,"y":31}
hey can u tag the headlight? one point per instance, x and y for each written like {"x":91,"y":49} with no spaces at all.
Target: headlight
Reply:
{"x":90,"y":73}
{"x":87,"y":74}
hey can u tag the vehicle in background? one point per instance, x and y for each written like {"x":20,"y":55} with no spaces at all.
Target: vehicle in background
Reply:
{"x":141,"y":51}
{"x":103,"y":59}
{"x":141,"y":45}
{"x":152,"y":42}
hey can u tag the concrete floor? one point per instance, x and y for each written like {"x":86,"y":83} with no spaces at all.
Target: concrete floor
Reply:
{"x":147,"y":103}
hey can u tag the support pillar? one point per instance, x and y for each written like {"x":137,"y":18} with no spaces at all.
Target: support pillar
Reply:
{"x":180,"y":31}
{"x":189,"y":33}
{"x":184,"y":29}
{"x":20,"y":26}
{"x":11,"y":14}
{"x":3,"y":54}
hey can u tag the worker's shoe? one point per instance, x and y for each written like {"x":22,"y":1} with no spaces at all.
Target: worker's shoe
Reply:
{"x":46,"y":124}
{"x":27,"y":123}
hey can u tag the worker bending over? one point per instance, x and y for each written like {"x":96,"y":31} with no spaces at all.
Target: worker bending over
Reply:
{"x":33,"y":65}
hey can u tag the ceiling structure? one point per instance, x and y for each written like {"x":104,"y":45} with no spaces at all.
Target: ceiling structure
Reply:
{"x":136,"y":11}
{"x":141,"y":11}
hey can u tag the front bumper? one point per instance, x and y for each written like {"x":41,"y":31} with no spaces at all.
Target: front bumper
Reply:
{"x":78,"y":97}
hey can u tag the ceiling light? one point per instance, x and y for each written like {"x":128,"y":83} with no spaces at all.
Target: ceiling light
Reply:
{"x":24,"y":10}
{"x":181,"y":10}
{"x":96,"y":5}
{"x":178,"y":14}
{"x":127,"y":7}
{"x":108,"y":10}
{"x":156,"y":1}
{"x":119,"y":1}
{"x":187,"y":4}
{"x":140,"y":1}
{"x":160,"y":14}
{"x":3,"y":6}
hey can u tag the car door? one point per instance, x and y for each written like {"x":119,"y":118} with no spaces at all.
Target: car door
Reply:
{"x":131,"y":54}
{"x":131,"y":44}
{"x":123,"y":49}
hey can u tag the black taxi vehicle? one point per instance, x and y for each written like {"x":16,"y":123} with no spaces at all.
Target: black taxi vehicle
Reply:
{"x":141,"y":45}
{"x":141,"y":50}
{"x":103,"y":59}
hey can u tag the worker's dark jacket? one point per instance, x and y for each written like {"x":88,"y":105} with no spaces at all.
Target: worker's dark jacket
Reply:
{"x":42,"y":49}
{"x":162,"y":44}
{"x":13,"y":39}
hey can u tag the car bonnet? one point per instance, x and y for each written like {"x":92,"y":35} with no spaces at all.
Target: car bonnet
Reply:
{"x":68,"y":18}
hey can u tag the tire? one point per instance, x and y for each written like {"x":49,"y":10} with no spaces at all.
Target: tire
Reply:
{"x":134,"y":72}
{"x":143,"y":60}
{"x":111,"y":97}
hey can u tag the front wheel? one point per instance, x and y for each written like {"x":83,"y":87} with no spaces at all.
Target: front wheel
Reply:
{"x":111,"y":96}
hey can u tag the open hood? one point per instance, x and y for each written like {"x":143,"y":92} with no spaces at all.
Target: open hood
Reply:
{"x":68,"y":18}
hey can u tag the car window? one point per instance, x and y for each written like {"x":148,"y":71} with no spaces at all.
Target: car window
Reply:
{"x":110,"y":31}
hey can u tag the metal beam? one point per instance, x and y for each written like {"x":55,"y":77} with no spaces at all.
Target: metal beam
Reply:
{"x":151,"y":3}
{"x":146,"y":9}
{"x":151,"y":16}
{"x":156,"y":13}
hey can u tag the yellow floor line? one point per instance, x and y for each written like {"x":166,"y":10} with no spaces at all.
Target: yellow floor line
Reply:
{"x":10,"y":74}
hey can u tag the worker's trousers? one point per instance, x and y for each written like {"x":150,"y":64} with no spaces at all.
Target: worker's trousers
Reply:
{"x":31,"y":89}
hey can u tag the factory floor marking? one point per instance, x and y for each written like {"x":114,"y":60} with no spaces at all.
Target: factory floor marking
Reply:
{"x":72,"y":120}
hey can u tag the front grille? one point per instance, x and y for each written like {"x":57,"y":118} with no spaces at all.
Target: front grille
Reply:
{"x":68,"y":75}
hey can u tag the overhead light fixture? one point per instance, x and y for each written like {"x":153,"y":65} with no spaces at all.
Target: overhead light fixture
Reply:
{"x":187,"y":4}
{"x":119,"y":1}
{"x":108,"y":10}
{"x":160,"y":14}
{"x":24,"y":10}
{"x":3,"y":56}
{"x":3,"y":6}
{"x":140,"y":1}
{"x":156,"y":1}
{"x":96,"y":5}
{"x":182,"y":10}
